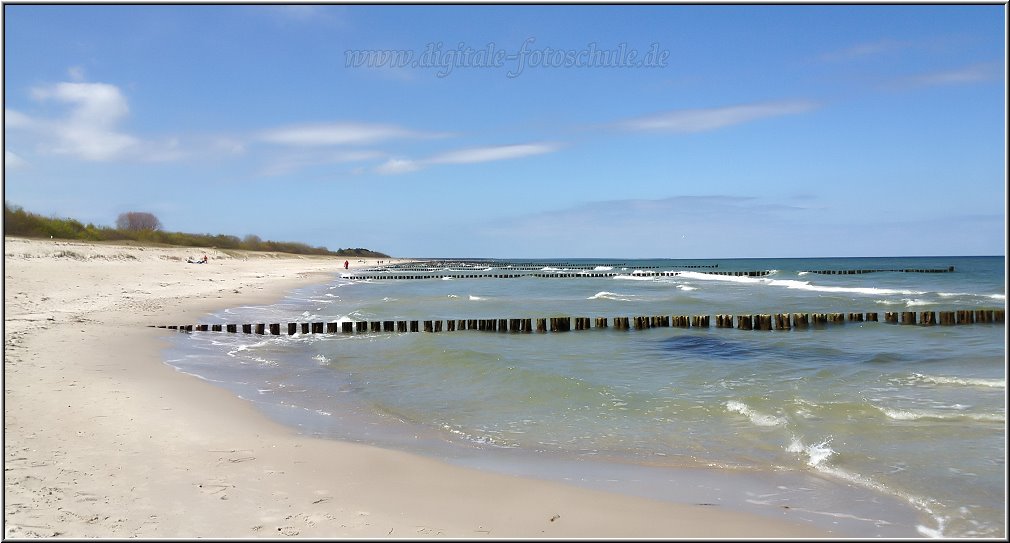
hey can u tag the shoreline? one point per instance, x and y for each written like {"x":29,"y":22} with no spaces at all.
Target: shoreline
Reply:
{"x":103,"y":438}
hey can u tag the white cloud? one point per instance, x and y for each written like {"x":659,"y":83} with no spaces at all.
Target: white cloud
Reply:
{"x":469,"y":156}
{"x":12,"y":161}
{"x":704,"y":120}
{"x":340,"y":134}
{"x":398,"y":165}
{"x":89,"y":129}
{"x":296,"y":161}
{"x":16,"y":119}
{"x":862,"y":50}
{"x":974,"y":73}
{"x":489,"y":154}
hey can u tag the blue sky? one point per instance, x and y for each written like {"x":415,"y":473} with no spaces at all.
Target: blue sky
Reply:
{"x":755,"y":131}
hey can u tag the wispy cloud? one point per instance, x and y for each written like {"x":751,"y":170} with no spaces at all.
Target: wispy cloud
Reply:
{"x":469,"y":156}
{"x":292,"y":162}
{"x":341,"y":133}
{"x":974,"y":73}
{"x":708,"y":119}
{"x":863,"y":50}
{"x":13,"y":161}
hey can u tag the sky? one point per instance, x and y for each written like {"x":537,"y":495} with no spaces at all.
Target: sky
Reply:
{"x":520,"y":131}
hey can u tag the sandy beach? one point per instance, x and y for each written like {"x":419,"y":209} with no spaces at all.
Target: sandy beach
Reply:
{"x":103,"y":439}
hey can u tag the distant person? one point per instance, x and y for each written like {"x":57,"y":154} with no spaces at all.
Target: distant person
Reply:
{"x":346,"y":264}
{"x":204,"y":261}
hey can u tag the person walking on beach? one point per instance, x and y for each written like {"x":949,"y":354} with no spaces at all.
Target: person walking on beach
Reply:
{"x":346,"y":264}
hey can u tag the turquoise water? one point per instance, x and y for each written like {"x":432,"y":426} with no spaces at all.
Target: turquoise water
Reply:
{"x":866,"y":429}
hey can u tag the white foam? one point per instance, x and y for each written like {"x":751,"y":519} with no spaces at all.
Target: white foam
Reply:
{"x":815,"y":453}
{"x":794,"y":284}
{"x":686,"y":287}
{"x":963,"y":381}
{"x":927,"y":414}
{"x":604,"y":295}
{"x":633,"y":278}
{"x":603,"y":268}
{"x":447,"y":278}
{"x":453,"y":296}
{"x":476,"y":298}
{"x":756,"y":418}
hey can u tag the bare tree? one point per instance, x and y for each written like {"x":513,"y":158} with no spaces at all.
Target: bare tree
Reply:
{"x":137,"y":220}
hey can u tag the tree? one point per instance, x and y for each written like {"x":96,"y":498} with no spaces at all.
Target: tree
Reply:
{"x":137,"y":220}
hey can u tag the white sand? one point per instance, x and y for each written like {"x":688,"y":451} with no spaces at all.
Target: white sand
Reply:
{"x":103,"y":439}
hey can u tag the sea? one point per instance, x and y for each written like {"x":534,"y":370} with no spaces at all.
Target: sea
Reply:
{"x":865,"y":429}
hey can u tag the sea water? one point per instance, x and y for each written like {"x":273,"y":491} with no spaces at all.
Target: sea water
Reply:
{"x":866,"y":429}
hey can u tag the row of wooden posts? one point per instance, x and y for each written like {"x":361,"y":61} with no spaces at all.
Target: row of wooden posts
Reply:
{"x":781,"y":321}
{"x":555,"y":275}
{"x":948,"y":269}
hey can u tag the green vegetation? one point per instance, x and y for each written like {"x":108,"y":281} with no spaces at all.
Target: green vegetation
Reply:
{"x":18,"y":222}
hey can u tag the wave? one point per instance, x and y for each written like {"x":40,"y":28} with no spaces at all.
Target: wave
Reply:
{"x":686,"y":287}
{"x":794,"y":284}
{"x":758,"y":419}
{"x":633,"y":278}
{"x":476,"y":298}
{"x":603,"y":268}
{"x":963,"y":381}
{"x":604,"y":295}
{"x":815,"y":454}
{"x":926,"y":414}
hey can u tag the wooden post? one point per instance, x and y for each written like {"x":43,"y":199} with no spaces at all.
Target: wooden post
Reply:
{"x":428,"y":326}
{"x":401,"y":326}
{"x":202,"y":328}
{"x":231,"y":328}
{"x":503,"y":325}
{"x":744,"y":322}
{"x":275,"y":329}
{"x":413,"y":327}
{"x":438,"y":325}
{"x":361,"y":326}
{"x":946,"y":318}
{"x":215,"y":328}
{"x":541,"y":325}
{"x":908,"y":317}
{"x":801,"y":320}
{"x":305,"y":328}
{"x":891,"y":317}
{"x":246,"y":328}
{"x":927,"y":318}
{"x":450,"y":325}
{"x":347,"y":327}
{"x":872,"y":317}
{"x":317,"y":327}
{"x":965,"y":316}
{"x":999,"y":315}
{"x":261,"y":329}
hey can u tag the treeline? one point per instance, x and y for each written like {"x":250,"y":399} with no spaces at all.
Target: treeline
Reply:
{"x":18,"y":222}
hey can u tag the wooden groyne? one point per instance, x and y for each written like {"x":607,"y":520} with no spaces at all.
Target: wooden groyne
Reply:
{"x":761,"y":321}
{"x":948,"y":269}
{"x":550,"y":275}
